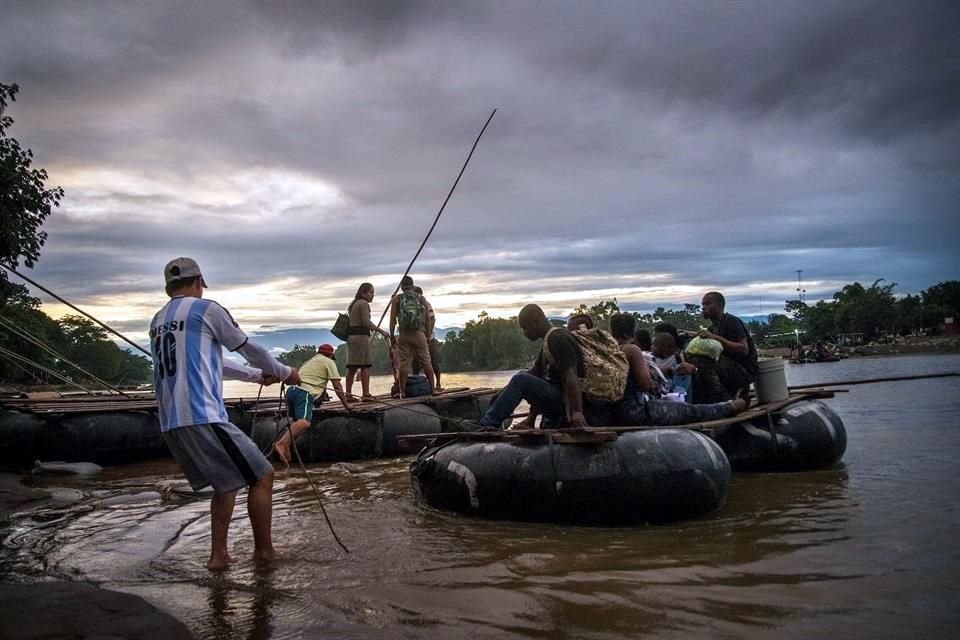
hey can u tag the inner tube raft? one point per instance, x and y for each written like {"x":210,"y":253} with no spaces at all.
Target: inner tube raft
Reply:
{"x":643,"y":476}
{"x":104,"y":437}
{"x":806,"y":435}
{"x":353,"y":436}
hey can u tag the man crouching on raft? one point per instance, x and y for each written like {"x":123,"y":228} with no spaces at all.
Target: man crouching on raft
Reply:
{"x":187,"y":337}
{"x":314,"y":375}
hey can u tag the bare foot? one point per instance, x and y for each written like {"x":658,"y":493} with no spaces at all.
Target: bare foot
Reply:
{"x":266,"y":556}
{"x":219,"y":563}
{"x":282,"y":453}
{"x":738,"y":405}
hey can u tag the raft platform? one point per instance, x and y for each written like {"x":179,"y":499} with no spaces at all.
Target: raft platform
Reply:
{"x":795,"y":434}
{"x":605,"y":434}
{"x":114,"y":429}
{"x":621,"y":475}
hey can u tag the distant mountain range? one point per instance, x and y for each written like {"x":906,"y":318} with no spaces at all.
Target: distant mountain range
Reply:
{"x":285,"y":339}
{"x":281,"y":340}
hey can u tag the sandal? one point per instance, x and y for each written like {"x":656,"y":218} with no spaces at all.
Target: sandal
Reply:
{"x":368,"y":398}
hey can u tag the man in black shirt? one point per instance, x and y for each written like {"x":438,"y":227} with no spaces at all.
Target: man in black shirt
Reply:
{"x":737,"y":366}
{"x":551,"y":385}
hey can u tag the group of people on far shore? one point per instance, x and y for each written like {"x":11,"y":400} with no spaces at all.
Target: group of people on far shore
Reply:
{"x":582,"y":377}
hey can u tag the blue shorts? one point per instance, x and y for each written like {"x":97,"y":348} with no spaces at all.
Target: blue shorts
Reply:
{"x":299,"y":404}
{"x":217,"y":455}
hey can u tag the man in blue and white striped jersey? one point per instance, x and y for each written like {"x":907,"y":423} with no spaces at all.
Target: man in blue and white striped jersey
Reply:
{"x":187,"y":337}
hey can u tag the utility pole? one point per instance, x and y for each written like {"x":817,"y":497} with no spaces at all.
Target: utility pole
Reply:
{"x":801,"y":292}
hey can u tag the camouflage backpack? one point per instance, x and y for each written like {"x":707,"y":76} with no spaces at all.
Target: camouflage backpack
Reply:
{"x":604,"y":365}
{"x":410,"y":310}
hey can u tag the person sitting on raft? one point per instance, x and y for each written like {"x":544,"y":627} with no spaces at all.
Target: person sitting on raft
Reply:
{"x":666,"y":327}
{"x":314,"y":375}
{"x":669,"y":360}
{"x":737,"y":366}
{"x":644,"y":340}
{"x":551,"y":386}
{"x":662,"y":383}
{"x":579,"y":322}
{"x":637,"y":407}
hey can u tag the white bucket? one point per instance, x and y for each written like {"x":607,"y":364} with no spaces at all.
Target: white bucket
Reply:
{"x":771,"y":382}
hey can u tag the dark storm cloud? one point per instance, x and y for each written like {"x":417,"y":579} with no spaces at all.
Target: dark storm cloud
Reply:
{"x":883,"y":69}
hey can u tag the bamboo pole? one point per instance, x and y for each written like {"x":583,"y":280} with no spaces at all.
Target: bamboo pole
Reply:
{"x":848,"y":383}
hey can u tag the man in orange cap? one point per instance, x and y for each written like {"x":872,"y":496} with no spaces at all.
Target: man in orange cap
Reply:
{"x":314,"y":375}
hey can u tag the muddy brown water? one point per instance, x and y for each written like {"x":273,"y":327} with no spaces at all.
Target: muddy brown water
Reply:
{"x":866,"y":549}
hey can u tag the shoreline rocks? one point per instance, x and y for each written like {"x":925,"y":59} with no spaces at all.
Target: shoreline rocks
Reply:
{"x":49,"y":610}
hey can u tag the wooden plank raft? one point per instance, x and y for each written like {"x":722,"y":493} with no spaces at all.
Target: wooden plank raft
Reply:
{"x":382,"y":403}
{"x":596,"y":435}
{"x":264,"y":406}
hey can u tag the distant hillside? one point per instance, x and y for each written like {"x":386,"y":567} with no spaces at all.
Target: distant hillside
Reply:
{"x":440,"y":333}
{"x":284,"y":339}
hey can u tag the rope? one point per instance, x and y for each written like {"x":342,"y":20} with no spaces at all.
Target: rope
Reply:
{"x":296,"y":450}
{"x":26,"y":335}
{"x":553,"y":460}
{"x":78,"y":309}
{"x":34,"y":376}
{"x":317,"y":494}
{"x":50,"y":372}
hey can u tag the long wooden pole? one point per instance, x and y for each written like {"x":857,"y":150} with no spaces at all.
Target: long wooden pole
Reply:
{"x":848,"y":383}
{"x":439,"y":213}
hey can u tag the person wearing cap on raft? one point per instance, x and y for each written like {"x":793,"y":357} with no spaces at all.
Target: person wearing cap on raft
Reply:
{"x":314,"y":375}
{"x":187,"y":337}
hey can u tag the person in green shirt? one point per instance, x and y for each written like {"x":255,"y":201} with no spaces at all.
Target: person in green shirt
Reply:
{"x":314,"y":375}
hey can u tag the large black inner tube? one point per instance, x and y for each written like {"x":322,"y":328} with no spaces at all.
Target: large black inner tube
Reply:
{"x":805,"y":435}
{"x":644,"y":476}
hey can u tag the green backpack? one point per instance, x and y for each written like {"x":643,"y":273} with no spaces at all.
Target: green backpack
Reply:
{"x":605,"y":365}
{"x":410,"y":310}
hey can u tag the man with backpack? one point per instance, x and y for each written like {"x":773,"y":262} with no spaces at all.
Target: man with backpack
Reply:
{"x":408,"y":313}
{"x":575,"y":381}
{"x":431,"y":342}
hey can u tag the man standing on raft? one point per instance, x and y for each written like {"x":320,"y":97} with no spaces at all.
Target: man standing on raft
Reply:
{"x":187,"y":337}
{"x":408,"y":320}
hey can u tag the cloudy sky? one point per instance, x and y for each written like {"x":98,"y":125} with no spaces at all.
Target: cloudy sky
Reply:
{"x":648,"y":151}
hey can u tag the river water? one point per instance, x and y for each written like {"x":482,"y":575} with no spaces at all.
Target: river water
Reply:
{"x":864,"y":550}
